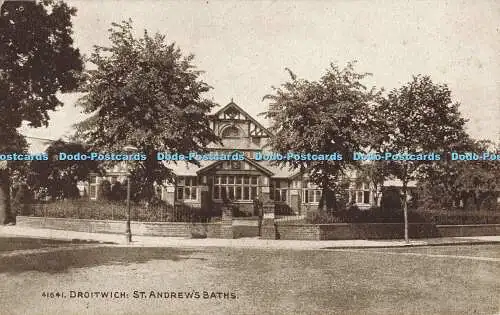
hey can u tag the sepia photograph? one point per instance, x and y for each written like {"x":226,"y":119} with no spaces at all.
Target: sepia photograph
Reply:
{"x":249,"y":157}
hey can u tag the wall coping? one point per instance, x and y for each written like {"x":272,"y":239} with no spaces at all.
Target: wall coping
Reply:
{"x":118,"y":221}
{"x":294,"y":224}
{"x":378,"y":223}
{"x":347,"y":224}
{"x":466,"y":225}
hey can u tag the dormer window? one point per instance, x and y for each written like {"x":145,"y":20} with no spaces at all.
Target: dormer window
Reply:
{"x":231,"y":132}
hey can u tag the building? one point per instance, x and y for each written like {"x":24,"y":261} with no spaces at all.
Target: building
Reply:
{"x":243,"y":181}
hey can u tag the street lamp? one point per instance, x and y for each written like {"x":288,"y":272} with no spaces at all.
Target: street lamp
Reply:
{"x":128,"y":231}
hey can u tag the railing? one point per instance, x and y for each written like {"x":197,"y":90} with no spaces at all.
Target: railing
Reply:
{"x":99,"y":210}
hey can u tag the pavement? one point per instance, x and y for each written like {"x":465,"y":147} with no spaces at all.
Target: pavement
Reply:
{"x":179,"y":242}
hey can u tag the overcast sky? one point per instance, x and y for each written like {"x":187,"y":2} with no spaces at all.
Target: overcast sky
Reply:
{"x":245,"y":46}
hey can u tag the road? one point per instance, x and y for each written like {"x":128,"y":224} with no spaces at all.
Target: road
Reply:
{"x":460,"y":279}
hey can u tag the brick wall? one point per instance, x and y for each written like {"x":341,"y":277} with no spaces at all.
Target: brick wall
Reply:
{"x":249,"y":228}
{"x":298,"y":232}
{"x":345,"y":231}
{"x":245,"y":227}
{"x":468,"y":230}
{"x":168,"y":229}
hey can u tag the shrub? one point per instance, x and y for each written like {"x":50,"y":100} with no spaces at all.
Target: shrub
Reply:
{"x":391,"y":198}
{"x":104,"y":190}
{"x":117,"y":191}
{"x":239,"y":213}
{"x":113,"y":210}
{"x":283,"y":209}
{"x":198,"y":231}
{"x":22,"y":199}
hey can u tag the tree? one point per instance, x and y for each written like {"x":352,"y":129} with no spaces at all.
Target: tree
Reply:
{"x":420,"y":117}
{"x":334,"y":114}
{"x":37,"y":60}
{"x":454,"y":183}
{"x":144,"y":92}
{"x":11,"y":171}
{"x":58,"y":176}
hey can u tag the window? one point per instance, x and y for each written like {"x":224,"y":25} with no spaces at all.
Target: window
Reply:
{"x":239,"y":187}
{"x":278,"y":193}
{"x":231,"y":132}
{"x":311,"y":194}
{"x":93,"y":187}
{"x":186,"y":188}
{"x":281,"y":194}
{"x":361,"y":193}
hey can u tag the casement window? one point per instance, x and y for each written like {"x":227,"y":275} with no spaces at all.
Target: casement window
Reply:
{"x":278,"y":193}
{"x":235,"y":187}
{"x":311,"y":194}
{"x":186,"y":188}
{"x":93,"y":187}
{"x":361,"y":193}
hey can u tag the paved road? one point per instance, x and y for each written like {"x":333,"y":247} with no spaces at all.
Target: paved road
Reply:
{"x":460,"y":279}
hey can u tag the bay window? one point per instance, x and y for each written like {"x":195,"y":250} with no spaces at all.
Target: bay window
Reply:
{"x":235,"y":187}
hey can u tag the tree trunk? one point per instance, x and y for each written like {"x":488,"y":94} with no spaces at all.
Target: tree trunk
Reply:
{"x":405,"y":209}
{"x":321,"y":205}
{"x":6,"y":215}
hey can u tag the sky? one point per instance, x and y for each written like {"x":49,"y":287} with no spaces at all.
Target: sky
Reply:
{"x":245,"y":46}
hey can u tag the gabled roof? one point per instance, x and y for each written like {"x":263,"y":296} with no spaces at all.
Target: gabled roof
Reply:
{"x":184,"y":168}
{"x":253,"y":163}
{"x":279,"y":171}
{"x":244,"y":113}
{"x":38,"y":145}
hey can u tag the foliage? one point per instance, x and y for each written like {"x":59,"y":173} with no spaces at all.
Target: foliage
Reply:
{"x":419,"y":117}
{"x":334,"y":114}
{"x":104,"y":190}
{"x":391,"y":198}
{"x":22,"y":199}
{"x":14,"y":142}
{"x":145,"y":93}
{"x":60,"y":177}
{"x":37,"y":60}
{"x":117,"y":210}
{"x":381,"y":215}
{"x":118,"y":191}
{"x":473,"y":184}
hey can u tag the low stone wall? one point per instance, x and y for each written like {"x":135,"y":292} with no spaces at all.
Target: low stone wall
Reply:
{"x":347,"y":231}
{"x":243,"y":227}
{"x":468,"y":230}
{"x":298,"y":231}
{"x":168,"y":229}
{"x":250,"y":228}
{"x":375,"y":231}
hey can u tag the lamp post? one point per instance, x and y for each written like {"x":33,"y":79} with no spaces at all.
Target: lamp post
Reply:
{"x":128,"y":231}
